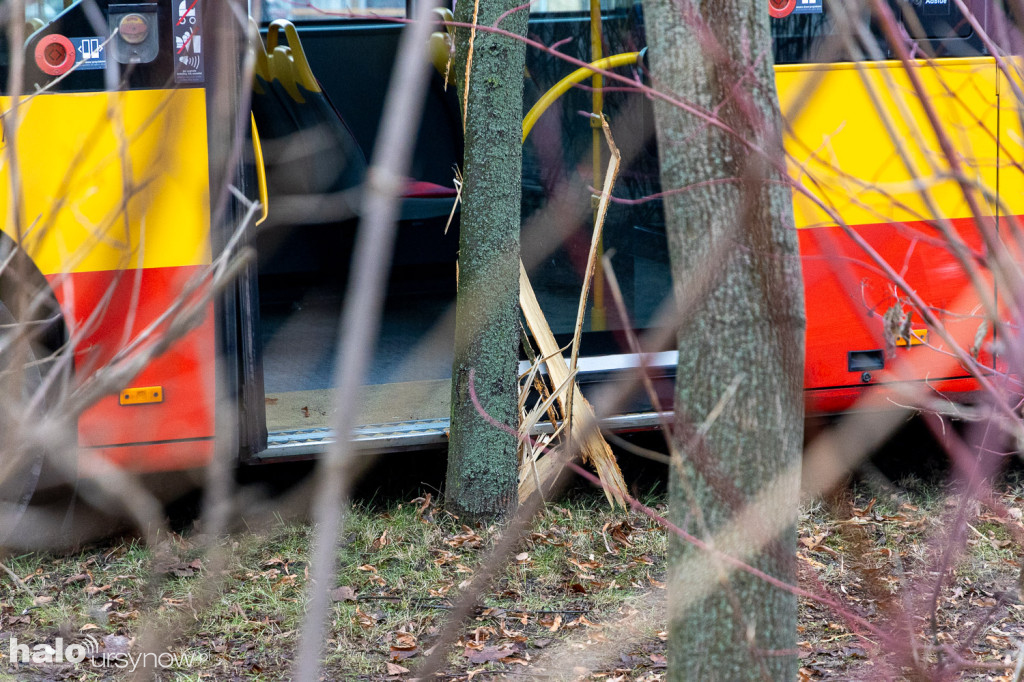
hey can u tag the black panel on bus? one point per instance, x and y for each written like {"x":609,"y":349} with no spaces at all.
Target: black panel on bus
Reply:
{"x":930,"y":28}
{"x":86,"y":20}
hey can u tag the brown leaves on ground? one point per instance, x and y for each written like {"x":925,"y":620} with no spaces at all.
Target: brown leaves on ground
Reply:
{"x":467,"y":539}
{"x":404,"y":646}
{"x":487,"y":654}
{"x":880,"y":562}
{"x":400,"y":571}
{"x":343,"y":593}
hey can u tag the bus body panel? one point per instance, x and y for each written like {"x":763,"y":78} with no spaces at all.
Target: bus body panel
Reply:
{"x":871,"y":172}
{"x":116,"y":214}
{"x":135,"y":306}
{"x":82,"y":156}
{"x":122,"y":230}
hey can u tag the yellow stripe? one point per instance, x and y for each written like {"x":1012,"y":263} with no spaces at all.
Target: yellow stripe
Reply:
{"x":840,"y":148}
{"x":111,"y":180}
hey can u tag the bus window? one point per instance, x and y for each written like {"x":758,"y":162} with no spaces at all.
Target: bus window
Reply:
{"x":564,"y":6}
{"x":933,"y":28}
{"x":801,"y":38}
{"x":43,"y":10}
{"x":933,"y":19}
{"x":326,"y":10}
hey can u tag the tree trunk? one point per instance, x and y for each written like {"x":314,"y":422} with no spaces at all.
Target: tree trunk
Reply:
{"x":735,"y":480}
{"x":482,"y":467}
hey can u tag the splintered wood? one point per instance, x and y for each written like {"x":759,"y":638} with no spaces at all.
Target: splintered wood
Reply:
{"x":538,"y":471}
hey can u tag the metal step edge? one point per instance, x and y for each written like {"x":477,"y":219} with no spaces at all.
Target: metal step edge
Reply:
{"x":416,"y":434}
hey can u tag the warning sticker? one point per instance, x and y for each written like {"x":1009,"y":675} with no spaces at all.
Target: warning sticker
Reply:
{"x":808,"y":7}
{"x":89,"y":53}
{"x":188,"y":43}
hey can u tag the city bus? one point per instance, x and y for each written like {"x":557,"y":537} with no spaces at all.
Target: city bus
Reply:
{"x":133,"y":160}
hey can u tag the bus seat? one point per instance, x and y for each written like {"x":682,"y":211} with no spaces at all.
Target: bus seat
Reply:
{"x":417,"y":189}
{"x":283,"y":71}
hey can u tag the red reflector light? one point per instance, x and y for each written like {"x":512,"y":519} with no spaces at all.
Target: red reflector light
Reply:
{"x":55,"y":55}
{"x":780,"y":9}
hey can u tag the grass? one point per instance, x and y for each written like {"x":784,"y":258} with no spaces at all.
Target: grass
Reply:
{"x":402,"y":564}
{"x":881,"y":555}
{"x":582,"y":566}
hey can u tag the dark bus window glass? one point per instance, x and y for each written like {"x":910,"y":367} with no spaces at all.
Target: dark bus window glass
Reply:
{"x":801,"y":38}
{"x":328,"y":10}
{"x":932,"y":28}
{"x":934,"y":19}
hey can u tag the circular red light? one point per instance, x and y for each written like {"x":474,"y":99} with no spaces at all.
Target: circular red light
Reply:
{"x":55,"y":55}
{"x":781,"y":8}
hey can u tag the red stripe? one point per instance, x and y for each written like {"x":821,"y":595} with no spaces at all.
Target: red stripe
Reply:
{"x":129,"y":302}
{"x":847,"y":294}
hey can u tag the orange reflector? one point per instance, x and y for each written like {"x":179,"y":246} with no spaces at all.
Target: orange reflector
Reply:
{"x":142,"y":395}
{"x":917,"y":338}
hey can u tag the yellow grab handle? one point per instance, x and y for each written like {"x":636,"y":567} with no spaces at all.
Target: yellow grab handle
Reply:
{"x":261,"y":171}
{"x":302,"y":74}
{"x":577,"y":76}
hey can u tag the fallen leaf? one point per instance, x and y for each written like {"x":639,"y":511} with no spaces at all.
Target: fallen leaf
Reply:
{"x":400,"y":653}
{"x":395,"y":669}
{"x":127,"y":615}
{"x":466,"y":539}
{"x":423,"y":503}
{"x":488,"y":653}
{"x":405,"y":640}
{"x":343,"y":593}
{"x":184,"y":570}
{"x":116,"y":644}
{"x":620,"y":533}
{"x":813,"y":542}
{"x":365,"y":620}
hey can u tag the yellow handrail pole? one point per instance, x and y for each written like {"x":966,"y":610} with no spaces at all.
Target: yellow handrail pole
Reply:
{"x":598,"y":319}
{"x":577,"y":76}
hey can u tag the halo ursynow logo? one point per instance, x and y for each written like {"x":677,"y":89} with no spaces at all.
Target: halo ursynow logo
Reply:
{"x":98,"y":654}
{"x":58,"y":653}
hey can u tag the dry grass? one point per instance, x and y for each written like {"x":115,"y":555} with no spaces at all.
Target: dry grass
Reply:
{"x":402,"y":565}
{"x":584,"y":598}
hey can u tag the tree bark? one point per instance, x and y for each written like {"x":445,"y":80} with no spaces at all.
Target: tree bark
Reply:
{"x":482,"y":468}
{"x":735,"y":480}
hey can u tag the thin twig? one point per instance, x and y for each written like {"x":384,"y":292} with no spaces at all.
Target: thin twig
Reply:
{"x":17,"y":581}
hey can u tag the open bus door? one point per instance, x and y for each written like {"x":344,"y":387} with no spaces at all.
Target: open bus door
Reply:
{"x":848,"y":295}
